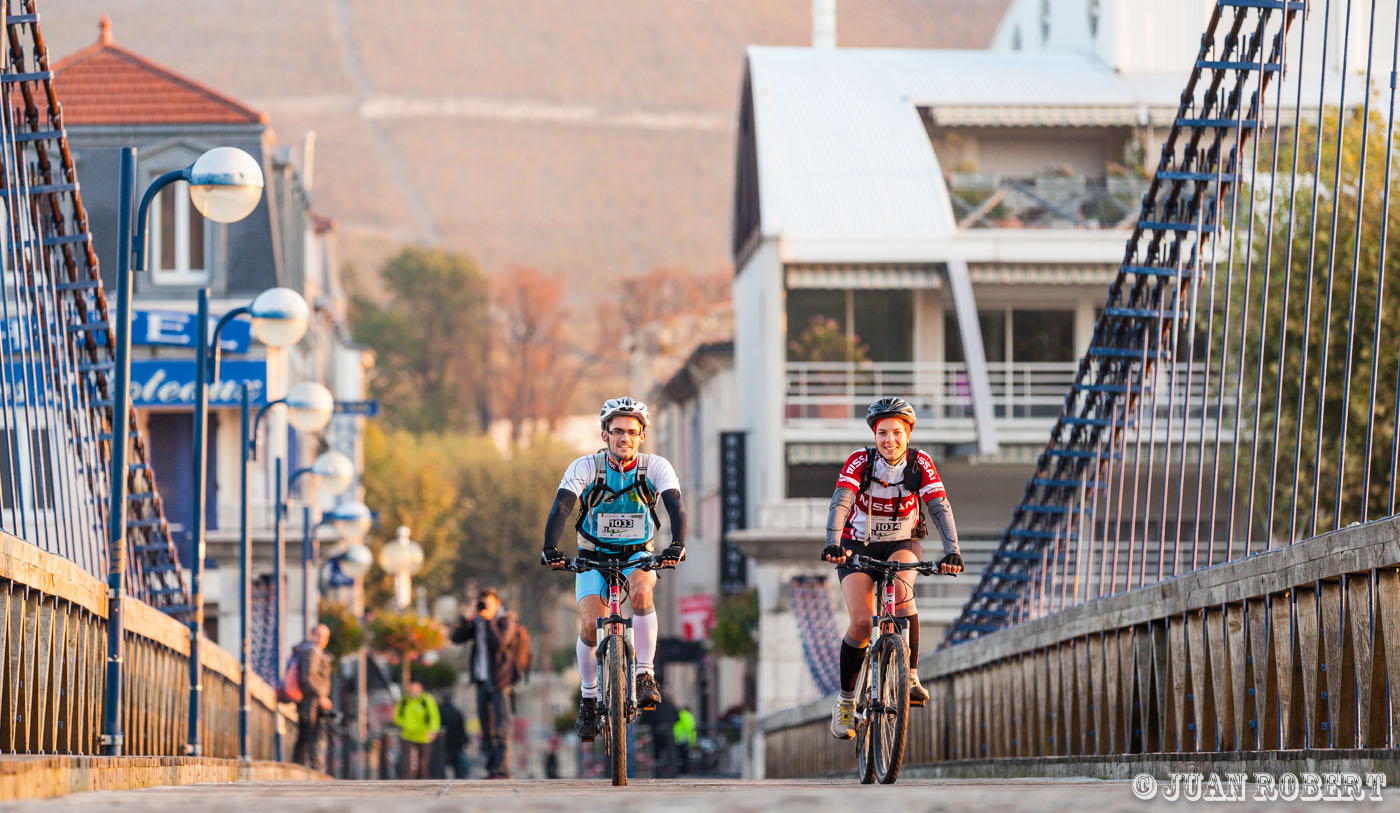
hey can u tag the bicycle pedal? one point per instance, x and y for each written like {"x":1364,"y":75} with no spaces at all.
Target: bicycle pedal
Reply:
{"x":917,"y":704}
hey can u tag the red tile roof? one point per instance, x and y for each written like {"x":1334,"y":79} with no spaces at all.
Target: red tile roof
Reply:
{"x":107,"y":84}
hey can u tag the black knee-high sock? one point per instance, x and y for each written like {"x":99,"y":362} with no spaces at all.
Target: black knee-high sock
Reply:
{"x":913,"y":640}
{"x":851,"y":658}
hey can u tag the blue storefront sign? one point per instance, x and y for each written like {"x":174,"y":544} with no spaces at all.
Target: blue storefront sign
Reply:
{"x":365,"y":409}
{"x":176,"y":329}
{"x":170,"y":382}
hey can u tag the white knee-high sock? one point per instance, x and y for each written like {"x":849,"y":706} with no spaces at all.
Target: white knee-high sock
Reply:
{"x":644,"y":632}
{"x":587,"y":667}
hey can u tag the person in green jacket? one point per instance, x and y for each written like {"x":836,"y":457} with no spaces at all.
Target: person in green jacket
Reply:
{"x":416,"y":715}
{"x":684,"y":732}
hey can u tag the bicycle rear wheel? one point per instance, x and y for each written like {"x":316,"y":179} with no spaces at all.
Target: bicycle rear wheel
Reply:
{"x":889,"y":724}
{"x":615,"y":672}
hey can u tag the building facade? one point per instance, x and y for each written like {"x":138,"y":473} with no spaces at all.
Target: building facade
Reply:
{"x":939,"y":225}
{"x":114,"y":98}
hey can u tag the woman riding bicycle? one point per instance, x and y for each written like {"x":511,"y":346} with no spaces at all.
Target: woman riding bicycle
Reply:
{"x":877,"y":510}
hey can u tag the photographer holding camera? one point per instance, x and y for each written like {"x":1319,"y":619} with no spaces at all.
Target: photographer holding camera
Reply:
{"x":492,"y":631}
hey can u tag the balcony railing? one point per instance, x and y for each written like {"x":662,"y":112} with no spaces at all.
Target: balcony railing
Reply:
{"x":982,"y":201}
{"x":1025,"y":392}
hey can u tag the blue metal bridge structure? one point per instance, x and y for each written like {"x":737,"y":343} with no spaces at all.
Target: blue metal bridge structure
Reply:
{"x":1204,"y":560}
{"x":57,"y":421}
{"x":1186,"y":563}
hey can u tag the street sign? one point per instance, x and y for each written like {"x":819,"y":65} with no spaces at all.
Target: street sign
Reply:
{"x":697,"y":615}
{"x":367,"y":409}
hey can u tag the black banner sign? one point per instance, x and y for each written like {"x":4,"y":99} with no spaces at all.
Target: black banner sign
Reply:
{"x":733,"y":570}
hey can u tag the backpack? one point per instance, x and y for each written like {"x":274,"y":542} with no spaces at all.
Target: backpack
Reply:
{"x":913,"y":481}
{"x":520,"y":653}
{"x":289,"y":690}
{"x":600,"y":492}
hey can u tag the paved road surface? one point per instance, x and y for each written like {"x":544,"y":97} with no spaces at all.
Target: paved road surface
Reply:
{"x":670,"y":796}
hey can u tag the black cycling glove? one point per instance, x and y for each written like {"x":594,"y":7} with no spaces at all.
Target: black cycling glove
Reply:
{"x":834,"y":552}
{"x":552,"y":557}
{"x":674,"y":553}
{"x":951,"y":560}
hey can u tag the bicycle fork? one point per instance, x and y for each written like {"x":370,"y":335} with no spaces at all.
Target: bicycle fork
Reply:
{"x":870,"y":668}
{"x":614,"y":619}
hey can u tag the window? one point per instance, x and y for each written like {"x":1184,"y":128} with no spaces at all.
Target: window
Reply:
{"x":1042,"y":335}
{"x":178,"y":239}
{"x":1044,"y":21}
{"x":1094,"y":18}
{"x":884,"y":323}
{"x":26,"y":470}
{"x":993,"y":324}
{"x":1029,"y":335}
{"x":828,"y":325}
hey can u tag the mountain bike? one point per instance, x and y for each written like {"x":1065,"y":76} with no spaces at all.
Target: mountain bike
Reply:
{"x":617,"y":658}
{"x":882,"y":692}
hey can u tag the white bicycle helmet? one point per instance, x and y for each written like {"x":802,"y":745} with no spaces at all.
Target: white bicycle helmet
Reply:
{"x":624,"y":406}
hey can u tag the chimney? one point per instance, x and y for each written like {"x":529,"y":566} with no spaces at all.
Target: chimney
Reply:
{"x":824,"y":24}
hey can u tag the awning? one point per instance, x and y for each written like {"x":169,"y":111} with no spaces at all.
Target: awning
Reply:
{"x":1041,"y":274}
{"x":902,"y":277}
{"x":950,"y":115}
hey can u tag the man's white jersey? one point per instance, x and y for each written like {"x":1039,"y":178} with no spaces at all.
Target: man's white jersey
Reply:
{"x":581,"y":473}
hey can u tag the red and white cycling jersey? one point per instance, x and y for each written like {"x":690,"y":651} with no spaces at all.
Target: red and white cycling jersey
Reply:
{"x":895,"y":511}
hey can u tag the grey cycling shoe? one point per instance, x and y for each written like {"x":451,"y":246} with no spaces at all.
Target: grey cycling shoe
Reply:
{"x":589,"y":722}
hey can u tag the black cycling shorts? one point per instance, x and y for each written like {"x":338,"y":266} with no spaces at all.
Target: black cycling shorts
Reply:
{"x":878,"y":550}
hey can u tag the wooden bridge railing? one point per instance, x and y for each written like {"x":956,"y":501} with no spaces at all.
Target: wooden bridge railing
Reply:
{"x":53,"y":647}
{"x":1297,"y":648}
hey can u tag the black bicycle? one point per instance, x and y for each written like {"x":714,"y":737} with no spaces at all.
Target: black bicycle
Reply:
{"x":882,"y":692}
{"x":617,"y":658}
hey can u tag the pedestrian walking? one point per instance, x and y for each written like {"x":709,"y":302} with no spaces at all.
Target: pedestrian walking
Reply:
{"x":454,"y":737}
{"x":416,"y":715}
{"x":313,"y":667}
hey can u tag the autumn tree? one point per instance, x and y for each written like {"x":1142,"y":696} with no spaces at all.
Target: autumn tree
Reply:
{"x":478,"y":514}
{"x":1325,"y":312}
{"x":432,"y":339}
{"x":550,"y":340}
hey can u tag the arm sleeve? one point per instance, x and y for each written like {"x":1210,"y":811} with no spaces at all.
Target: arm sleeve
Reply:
{"x":838,"y":513}
{"x":558,"y":515}
{"x":675,"y":510}
{"x":434,"y":718}
{"x":941,"y":511}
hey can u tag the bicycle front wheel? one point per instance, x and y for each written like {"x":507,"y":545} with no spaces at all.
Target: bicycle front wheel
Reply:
{"x":865,"y":755}
{"x":615,"y":672}
{"x":889,"y":722}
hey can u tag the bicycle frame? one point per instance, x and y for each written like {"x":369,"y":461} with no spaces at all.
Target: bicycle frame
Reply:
{"x":883,"y":623}
{"x":614,"y":627}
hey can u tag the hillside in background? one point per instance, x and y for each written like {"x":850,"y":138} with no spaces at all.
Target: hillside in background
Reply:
{"x":592,"y":138}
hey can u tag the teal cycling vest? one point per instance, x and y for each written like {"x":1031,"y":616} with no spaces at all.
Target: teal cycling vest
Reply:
{"x":617,"y":513}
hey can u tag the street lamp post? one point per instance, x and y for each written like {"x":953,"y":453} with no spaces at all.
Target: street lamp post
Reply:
{"x":280,"y":318}
{"x":331,"y":469}
{"x":309,"y":407}
{"x":401,"y":559}
{"x":355,"y":563}
{"x":225,"y":185}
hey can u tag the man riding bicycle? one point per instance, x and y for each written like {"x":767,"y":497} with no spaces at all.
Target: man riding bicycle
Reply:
{"x":878,"y":510}
{"x":618,"y":490}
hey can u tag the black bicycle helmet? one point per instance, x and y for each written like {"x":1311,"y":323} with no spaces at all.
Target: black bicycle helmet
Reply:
{"x":889,"y":408}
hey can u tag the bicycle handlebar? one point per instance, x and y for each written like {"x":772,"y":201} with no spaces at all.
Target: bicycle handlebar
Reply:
{"x":583,"y":564}
{"x":860,"y":561}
